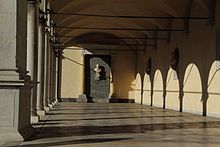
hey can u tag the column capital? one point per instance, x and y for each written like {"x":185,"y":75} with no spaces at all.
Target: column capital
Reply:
{"x":49,"y":11}
{"x":42,"y":18}
{"x":33,"y":1}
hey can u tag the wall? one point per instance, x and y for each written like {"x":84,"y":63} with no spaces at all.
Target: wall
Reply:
{"x":72,"y":74}
{"x":123,"y":75}
{"x":123,"y":72}
{"x":196,"y":87}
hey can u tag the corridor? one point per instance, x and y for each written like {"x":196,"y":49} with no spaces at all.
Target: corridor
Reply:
{"x":121,"y":125}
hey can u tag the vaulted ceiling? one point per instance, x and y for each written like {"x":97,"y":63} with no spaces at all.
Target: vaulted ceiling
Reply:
{"x":80,"y":14}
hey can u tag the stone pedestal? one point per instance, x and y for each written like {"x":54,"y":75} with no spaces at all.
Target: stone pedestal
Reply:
{"x":82,"y":98}
{"x":15,"y":110}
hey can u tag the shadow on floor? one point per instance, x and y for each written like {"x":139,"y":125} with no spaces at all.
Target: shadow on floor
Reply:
{"x":111,"y":118}
{"x":104,"y":108}
{"x":82,"y":141}
{"x":95,"y":113}
{"x":68,"y":131}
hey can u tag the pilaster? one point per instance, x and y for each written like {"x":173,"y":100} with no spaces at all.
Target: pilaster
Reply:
{"x":32,"y":52}
{"x":41,"y":62}
{"x":47,"y":72}
{"x":15,"y":84}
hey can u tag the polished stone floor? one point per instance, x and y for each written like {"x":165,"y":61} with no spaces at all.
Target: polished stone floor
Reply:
{"x":121,"y":125}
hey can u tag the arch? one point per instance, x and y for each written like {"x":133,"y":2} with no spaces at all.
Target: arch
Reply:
{"x":138,"y":89}
{"x":213,"y":108}
{"x":147,"y":90}
{"x":72,"y":64}
{"x":172,"y":88}
{"x":158,"y":89}
{"x":192,"y":88}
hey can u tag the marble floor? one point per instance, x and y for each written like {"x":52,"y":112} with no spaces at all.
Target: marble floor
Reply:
{"x":121,"y":125}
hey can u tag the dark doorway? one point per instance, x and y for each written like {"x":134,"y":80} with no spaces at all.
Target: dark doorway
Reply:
{"x":97,"y":77}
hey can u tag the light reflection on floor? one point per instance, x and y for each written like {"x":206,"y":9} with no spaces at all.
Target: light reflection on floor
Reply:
{"x":122,"y":125}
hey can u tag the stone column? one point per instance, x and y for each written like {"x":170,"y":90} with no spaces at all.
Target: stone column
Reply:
{"x":52,"y":101}
{"x":54,"y":77}
{"x":54,"y":63}
{"x":41,"y":60}
{"x":47,"y":72}
{"x":59,"y":77}
{"x":32,"y":52}
{"x":51,"y":78}
{"x":15,"y":86}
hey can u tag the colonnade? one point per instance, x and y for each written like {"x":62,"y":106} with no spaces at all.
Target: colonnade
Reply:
{"x":28,"y":67}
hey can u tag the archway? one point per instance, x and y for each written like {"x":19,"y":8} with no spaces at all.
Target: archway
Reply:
{"x":172,"y":88}
{"x":147,"y":90}
{"x":138,"y":89}
{"x":192,"y":88}
{"x":158,"y":89}
{"x":213,"y":109}
{"x":72,"y":64}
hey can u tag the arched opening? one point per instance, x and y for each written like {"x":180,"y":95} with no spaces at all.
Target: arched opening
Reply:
{"x":147,"y":90}
{"x":192,"y":90}
{"x":72,"y":68}
{"x":98,"y":48}
{"x":158,"y":89}
{"x":213,"y":109}
{"x":172,"y":88}
{"x":138,"y":89}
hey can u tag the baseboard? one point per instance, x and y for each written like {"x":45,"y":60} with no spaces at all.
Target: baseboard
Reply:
{"x":120,"y":100}
{"x":112,"y":100}
{"x":69,"y":100}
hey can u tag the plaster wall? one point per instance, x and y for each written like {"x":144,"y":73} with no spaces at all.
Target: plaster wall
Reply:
{"x":138,"y":89}
{"x":122,"y":75}
{"x":197,"y":88}
{"x":158,"y":90}
{"x":172,"y":90}
{"x":147,"y":90}
{"x":72,"y":74}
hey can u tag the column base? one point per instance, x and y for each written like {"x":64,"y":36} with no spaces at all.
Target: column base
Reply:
{"x":50,"y":105}
{"x":55,"y":102}
{"x":13,"y":135}
{"x":41,"y":112}
{"x":47,"y":109}
{"x":82,"y":98}
{"x":34,"y":119}
{"x":15,"y":110}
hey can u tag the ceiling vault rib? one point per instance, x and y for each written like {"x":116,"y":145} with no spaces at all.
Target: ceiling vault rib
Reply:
{"x":129,"y":17}
{"x":119,"y":29}
{"x":115,"y":38}
{"x":130,"y":38}
{"x":121,"y":50}
{"x":111,"y":44}
{"x":212,"y":11}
